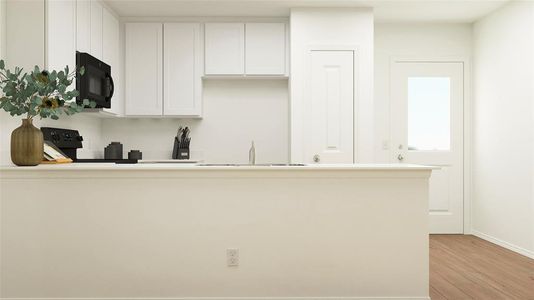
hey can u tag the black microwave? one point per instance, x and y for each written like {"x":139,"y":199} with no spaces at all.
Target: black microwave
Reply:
{"x":96,"y":83}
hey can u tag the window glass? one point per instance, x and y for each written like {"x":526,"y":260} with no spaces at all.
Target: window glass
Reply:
{"x":429,"y":123}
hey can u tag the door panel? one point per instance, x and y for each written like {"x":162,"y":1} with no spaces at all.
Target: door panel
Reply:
{"x":182,"y":70}
{"x":112,"y":56}
{"x":83,"y":26}
{"x":144,"y":64}
{"x":61,"y":35}
{"x":265,"y":48}
{"x":427,"y":129}
{"x":329,"y":120}
{"x":96,"y":29}
{"x":224,"y":48}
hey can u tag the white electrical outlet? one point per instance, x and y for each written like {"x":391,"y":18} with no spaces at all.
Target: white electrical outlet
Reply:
{"x":232,"y":257}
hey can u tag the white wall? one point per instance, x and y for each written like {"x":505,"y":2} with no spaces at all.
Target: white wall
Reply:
{"x":235,"y":112}
{"x":417,"y":41}
{"x":503,"y":128}
{"x":343,"y":27}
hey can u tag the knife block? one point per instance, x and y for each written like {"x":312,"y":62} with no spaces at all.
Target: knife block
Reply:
{"x":179,"y":153}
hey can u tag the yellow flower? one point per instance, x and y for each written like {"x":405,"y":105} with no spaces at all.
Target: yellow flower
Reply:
{"x":50,"y":103}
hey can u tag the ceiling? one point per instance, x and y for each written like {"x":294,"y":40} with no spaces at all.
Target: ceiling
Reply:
{"x":385,"y":10}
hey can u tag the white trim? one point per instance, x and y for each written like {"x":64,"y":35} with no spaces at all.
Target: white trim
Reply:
{"x":468,"y":154}
{"x":467,"y":119}
{"x":509,"y":246}
{"x":234,"y":298}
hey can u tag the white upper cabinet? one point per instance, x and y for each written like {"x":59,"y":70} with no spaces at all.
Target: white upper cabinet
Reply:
{"x":96,"y":29}
{"x":245,"y":49}
{"x":89,"y":27}
{"x":83,"y":26}
{"x":182,"y":95}
{"x":144,"y":69}
{"x":60,"y":35}
{"x":225,"y":48}
{"x":111,"y":56}
{"x":265,"y":45}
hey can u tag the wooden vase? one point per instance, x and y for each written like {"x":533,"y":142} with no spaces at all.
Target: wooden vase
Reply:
{"x":27,"y":144}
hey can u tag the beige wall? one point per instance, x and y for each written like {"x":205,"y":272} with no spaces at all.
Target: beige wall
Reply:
{"x":2,"y":28}
{"x":503,"y":127}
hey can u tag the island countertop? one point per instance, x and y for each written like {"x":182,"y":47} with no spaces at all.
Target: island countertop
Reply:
{"x":110,"y":231}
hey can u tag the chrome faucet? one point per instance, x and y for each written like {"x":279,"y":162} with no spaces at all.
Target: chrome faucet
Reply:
{"x":252,"y":155}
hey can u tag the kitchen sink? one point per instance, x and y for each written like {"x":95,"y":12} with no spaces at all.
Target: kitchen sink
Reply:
{"x":249,"y":165}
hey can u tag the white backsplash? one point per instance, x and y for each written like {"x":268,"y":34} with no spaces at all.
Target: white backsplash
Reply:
{"x":235,"y":112}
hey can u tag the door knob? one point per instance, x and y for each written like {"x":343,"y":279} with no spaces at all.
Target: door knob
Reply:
{"x":400,"y":157}
{"x":316,"y":158}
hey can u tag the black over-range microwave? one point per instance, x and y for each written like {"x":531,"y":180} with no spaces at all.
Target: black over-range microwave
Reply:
{"x":96,"y":83}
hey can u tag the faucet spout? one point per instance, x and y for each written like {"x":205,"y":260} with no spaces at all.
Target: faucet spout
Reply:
{"x":252,"y":155}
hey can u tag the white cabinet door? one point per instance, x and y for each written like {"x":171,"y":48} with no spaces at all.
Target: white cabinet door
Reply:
{"x":144,"y":69}
{"x":265,"y":45}
{"x":61,"y":34}
{"x":225,"y":48}
{"x":83,"y":25}
{"x":111,"y":56}
{"x":183,"y":70}
{"x":96,"y":29}
{"x":329,"y":121}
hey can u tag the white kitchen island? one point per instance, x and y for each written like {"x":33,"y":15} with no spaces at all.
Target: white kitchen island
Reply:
{"x":162,"y":231}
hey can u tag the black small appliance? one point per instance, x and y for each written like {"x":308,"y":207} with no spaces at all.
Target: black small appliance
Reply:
{"x":96,"y":83}
{"x":69,"y":141}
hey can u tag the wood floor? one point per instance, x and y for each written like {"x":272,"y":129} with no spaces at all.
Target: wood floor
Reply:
{"x":466,"y":267}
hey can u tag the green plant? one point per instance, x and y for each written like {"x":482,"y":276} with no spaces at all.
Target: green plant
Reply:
{"x":40,"y":93}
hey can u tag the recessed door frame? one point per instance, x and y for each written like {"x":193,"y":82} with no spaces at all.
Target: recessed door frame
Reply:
{"x":308,"y":63}
{"x":467,"y":119}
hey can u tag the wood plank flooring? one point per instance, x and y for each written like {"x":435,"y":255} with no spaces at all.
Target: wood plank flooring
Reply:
{"x":467,"y":267}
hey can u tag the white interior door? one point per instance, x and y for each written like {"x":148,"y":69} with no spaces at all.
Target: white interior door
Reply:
{"x":329,"y":122}
{"x":427,"y":128}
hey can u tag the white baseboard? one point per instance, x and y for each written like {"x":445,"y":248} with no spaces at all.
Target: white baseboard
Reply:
{"x":235,"y":298}
{"x":509,"y":246}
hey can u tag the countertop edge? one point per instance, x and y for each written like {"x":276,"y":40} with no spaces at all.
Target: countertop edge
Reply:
{"x":194,"y":168}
